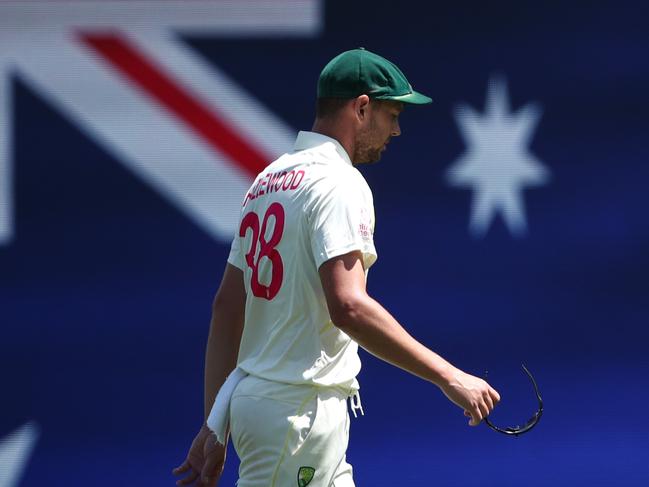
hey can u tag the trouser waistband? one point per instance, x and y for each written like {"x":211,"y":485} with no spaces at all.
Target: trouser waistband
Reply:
{"x":219,"y":417}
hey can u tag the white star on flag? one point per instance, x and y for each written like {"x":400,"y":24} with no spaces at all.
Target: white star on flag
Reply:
{"x":15,"y":450}
{"x":497,"y":164}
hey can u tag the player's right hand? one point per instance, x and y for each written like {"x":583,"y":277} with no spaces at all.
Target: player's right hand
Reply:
{"x":472,"y":394}
{"x":204,"y":462}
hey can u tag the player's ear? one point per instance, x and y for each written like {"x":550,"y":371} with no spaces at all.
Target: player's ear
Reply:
{"x":361,"y":107}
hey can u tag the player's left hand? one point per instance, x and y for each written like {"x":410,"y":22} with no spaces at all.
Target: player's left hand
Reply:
{"x":204,"y":462}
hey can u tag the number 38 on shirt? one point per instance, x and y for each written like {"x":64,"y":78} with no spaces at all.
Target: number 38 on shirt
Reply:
{"x":267,"y":249}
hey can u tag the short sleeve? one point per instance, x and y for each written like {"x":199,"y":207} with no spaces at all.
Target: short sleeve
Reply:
{"x":342,"y":220}
{"x":235,"y":258}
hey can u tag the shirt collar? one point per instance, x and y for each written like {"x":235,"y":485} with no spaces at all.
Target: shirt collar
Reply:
{"x":309,"y":140}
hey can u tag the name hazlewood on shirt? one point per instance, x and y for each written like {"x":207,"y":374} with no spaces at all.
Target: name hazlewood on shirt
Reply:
{"x":274,"y":182}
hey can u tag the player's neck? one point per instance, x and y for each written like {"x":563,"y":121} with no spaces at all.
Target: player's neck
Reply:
{"x":336,"y":131}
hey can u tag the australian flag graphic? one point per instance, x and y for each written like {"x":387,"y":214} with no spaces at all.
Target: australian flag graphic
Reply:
{"x":511,"y":225}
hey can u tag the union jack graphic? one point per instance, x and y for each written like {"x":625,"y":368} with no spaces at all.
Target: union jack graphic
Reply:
{"x":118,"y":71}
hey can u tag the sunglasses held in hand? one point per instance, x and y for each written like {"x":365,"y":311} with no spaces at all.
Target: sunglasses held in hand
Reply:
{"x":519,"y":430}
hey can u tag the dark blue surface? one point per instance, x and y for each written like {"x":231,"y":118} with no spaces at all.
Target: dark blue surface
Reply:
{"x":106,"y":291}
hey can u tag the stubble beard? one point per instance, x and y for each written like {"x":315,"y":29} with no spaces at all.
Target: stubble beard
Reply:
{"x":365,"y":152}
{"x":367,"y":155}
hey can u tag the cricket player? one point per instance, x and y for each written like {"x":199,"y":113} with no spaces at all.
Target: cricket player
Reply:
{"x":292,"y":306}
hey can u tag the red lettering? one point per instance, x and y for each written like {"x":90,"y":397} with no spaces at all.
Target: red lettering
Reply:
{"x":287,"y":181}
{"x":282,"y":176}
{"x":296,"y":182}
{"x":260,"y":191}
{"x":274,"y":182}
{"x":249,"y":197}
{"x":253,"y":190}
{"x":267,"y":182}
{"x":271,"y":182}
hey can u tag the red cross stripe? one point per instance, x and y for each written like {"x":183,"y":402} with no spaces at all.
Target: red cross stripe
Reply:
{"x":183,"y":104}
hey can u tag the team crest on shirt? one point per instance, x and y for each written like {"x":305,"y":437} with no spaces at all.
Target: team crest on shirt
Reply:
{"x":305,"y":476}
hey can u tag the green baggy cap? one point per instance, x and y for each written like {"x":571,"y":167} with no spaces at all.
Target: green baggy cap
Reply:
{"x":359,"y":71}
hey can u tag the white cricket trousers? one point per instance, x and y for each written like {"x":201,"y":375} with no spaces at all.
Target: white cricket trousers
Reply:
{"x":290,"y":435}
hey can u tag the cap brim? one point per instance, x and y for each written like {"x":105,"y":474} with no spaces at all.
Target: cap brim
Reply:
{"x":414,"y":98}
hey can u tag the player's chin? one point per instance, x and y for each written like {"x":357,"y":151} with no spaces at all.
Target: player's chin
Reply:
{"x":369,"y":156}
{"x":375,"y":156}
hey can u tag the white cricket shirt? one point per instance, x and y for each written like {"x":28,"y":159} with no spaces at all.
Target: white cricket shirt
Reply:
{"x":305,"y":208}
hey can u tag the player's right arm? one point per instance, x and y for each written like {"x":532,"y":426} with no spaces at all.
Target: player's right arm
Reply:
{"x":377,"y":331}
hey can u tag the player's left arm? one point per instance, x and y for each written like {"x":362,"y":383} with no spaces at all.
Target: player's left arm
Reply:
{"x":206,"y":458}
{"x":226,"y":328}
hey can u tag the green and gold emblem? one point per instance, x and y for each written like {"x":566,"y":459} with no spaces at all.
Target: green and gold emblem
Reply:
{"x":305,"y":476}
